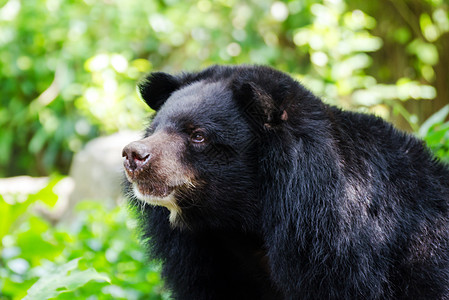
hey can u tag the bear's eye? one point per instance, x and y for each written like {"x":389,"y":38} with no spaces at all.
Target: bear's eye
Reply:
{"x":197,"y":137}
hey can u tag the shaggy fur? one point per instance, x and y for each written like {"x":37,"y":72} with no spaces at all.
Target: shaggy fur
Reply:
{"x":287,"y":197}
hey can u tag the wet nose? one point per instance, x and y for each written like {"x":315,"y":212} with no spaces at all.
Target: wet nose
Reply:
{"x":137,"y":155}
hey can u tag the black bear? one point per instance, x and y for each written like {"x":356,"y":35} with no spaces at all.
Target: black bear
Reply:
{"x":256,"y":189}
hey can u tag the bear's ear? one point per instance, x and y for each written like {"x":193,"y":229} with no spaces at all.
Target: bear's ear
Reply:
{"x":258,"y":105}
{"x":157,"y":87}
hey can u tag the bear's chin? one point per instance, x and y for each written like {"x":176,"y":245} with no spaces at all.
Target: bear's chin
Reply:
{"x":159,"y":197}
{"x":148,"y":190}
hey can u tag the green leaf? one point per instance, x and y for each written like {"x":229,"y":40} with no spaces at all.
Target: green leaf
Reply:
{"x":63,"y":279}
{"x":435,"y":137}
{"x":436,"y":118}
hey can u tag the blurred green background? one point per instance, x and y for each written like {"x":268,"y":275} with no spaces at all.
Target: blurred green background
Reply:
{"x":68,"y":71}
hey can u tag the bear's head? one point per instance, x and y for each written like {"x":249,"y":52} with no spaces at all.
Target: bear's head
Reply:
{"x":200,"y":155}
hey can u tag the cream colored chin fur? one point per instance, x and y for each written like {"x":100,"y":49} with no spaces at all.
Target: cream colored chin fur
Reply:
{"x":168,"y":201}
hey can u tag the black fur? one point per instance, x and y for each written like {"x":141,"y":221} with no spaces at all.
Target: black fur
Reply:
{"x":297,"y":199}
{"x":157,"y":87}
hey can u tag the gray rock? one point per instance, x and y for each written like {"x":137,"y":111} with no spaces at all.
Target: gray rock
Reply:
{"x":96,"y":173}
{"x":97,"y":169}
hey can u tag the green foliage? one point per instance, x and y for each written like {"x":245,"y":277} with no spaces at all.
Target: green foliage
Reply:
{"x":54,"y":94}
{"x":435,"y":132}
{"x":65,"y":278}
{"x":12,"y":207}
{"x":97,"y":257}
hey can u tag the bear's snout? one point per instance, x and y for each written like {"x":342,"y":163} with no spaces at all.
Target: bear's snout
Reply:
{"x":154,"y":164}
{"x":137,"y":155}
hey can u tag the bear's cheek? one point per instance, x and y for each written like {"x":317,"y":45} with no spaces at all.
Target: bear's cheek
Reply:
{"x":161,"y":178}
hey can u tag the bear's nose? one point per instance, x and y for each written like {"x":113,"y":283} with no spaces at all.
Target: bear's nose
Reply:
{"x":137,"y":155}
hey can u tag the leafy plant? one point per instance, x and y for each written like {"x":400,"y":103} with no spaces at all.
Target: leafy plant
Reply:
{"x":63,"y":279}
{"x":75,"y":262}
{"x":13,"y":207}
{"x":435,"y":132}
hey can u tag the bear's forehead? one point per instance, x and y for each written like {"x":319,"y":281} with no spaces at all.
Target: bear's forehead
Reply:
{"x":197,"y":100}
{"x":198,"y":93}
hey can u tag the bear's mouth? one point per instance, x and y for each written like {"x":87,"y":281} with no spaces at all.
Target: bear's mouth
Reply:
{"x":151,"y":190}
{"x":160,"y":196}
